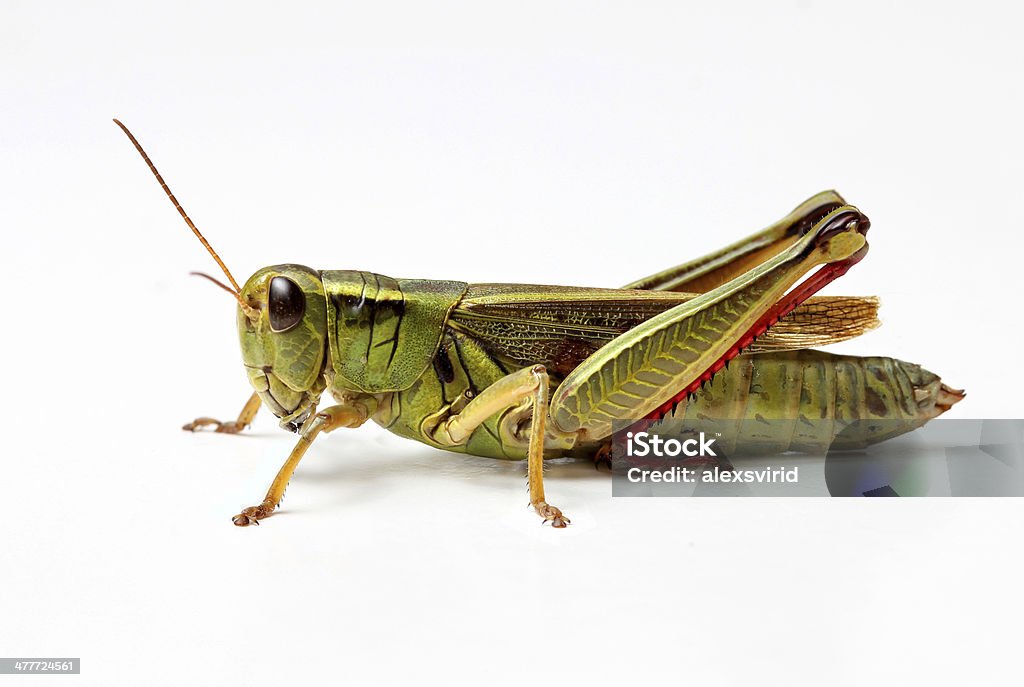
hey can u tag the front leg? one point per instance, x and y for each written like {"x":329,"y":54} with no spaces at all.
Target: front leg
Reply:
{"x":529,"y":383}
{"x":245,"y":419}
{"x":326,"y":420}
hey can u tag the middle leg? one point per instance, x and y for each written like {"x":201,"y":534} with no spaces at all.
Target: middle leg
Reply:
{"x":527,"y":385}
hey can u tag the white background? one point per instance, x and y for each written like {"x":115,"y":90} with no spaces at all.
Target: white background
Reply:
{"x":585,"y":143}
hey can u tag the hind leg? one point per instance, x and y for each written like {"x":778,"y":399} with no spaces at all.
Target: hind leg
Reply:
{"x":715,"y":269}
{"x":668,"y":356}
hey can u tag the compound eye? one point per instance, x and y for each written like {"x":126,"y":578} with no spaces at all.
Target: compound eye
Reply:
{"x":287,"y":304}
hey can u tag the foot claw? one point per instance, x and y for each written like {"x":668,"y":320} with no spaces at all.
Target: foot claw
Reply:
{"x":603,"y":455}
{"x":551,"y":514}
{"x":251,"y":516}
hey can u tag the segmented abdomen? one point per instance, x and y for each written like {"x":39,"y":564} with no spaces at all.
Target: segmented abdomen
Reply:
{"x":810,"y":400}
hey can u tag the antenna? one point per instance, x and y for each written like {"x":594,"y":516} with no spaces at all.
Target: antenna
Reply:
{"x":248,"y":309}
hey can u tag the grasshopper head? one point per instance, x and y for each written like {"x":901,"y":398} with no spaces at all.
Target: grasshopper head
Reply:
{"x":283,"y":333}
{"x":282,"y":323}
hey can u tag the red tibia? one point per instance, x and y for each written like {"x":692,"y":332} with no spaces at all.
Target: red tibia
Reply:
{"x":785,"y":306}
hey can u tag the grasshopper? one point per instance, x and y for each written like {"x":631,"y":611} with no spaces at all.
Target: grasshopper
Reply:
{"x":530,"y":372}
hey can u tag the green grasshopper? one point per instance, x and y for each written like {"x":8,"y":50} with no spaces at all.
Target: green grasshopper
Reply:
{"x":522,"y":371}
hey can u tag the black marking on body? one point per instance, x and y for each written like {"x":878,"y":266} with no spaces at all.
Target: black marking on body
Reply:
{"x":362,"y":300}
{"x":457,"y":345}
{"x":443,"y":365}
{"x":347,"y":306}
{"x":398,"y":310}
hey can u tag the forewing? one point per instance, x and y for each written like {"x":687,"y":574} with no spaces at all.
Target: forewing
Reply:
{"x":560,"y":326}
